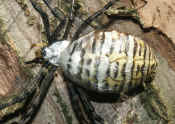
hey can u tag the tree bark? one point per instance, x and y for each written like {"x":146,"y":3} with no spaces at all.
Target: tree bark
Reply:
{"x":23,"y":27}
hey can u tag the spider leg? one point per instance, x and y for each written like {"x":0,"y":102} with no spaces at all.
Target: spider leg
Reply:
{"x":82,"y":106}
{"x":44,"y":83}
{"x":18,"y":99}
{"x":62,"y":18}
{"x":91,"y":18}
{"x":21,"y":98}
{"x":56,"y":14}
{"x":77,"y":106}
{"x":45,"y":19}
{"x":35,"y":60}
{"x":90,"y":110}
{"x":50,"y":37}
{"x":70,"y":20}
{"x":56,"y":32}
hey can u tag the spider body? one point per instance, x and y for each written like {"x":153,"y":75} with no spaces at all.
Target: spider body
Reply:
{"x":104,"y":61}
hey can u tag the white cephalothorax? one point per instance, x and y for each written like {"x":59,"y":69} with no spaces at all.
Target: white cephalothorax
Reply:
{"x":53,"y":52}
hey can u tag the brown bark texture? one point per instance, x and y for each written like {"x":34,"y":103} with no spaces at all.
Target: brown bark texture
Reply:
{"x":21,"y":27}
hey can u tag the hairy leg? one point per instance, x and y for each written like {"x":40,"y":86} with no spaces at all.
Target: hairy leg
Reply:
{"x":71,"y":19}
{"x":51,"y":37}
{"x":90,"y":110}
{"x":60,"y":16}
{"x":44,"y":17}
{"x":82,"y":106}
{"x":44,"y":83}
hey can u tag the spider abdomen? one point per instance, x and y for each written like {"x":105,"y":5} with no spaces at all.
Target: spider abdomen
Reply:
{"x":108,"y":61}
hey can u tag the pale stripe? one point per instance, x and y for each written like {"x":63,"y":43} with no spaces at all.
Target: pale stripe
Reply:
{"x":92,"y":69}
{"x":107,"y":43}
{"x":129,"y":63}
{"x":123,"y":39}
{"x":146,"y":60}
{"x":98,"y":44}
{"x":113,"y":69}
{"x":117,"y":43}
{"x":75,"y":63}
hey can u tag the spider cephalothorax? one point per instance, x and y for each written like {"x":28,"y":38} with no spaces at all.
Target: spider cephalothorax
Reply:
{"x":53,"y":52}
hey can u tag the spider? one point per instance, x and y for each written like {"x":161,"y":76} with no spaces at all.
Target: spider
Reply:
{"x":103,"y":61}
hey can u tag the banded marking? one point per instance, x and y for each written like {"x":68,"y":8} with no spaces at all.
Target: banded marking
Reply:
{"x":116,"y":42}
{"x":82,"y":54}
{"x":129,"y":61}
{"x":144,"y":62}
{"x":97,"y":43}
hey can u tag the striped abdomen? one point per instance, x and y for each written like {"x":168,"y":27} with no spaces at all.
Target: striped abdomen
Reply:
{"x":109,"y":61}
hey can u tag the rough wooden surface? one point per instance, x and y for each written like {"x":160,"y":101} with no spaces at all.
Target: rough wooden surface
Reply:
{"x":23,"y":26}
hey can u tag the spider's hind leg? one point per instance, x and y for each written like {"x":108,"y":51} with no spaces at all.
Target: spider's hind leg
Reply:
{"x":82,"y":106}
{"x":89,"y":108}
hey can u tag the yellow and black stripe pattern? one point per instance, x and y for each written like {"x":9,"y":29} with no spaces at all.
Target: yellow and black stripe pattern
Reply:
{"x":109,"y":61}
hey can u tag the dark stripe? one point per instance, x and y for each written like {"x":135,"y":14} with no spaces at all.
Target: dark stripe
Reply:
{"x":121,"y":85}
{"x":145,"y":50}
{"x":130,"y":86}
{"x":117,"y":70}
{"x":142,"y":72}
{"x":73,"y":49}
{"x":106,"y":86}
{"x":140,"y":50}
{"x":116,"y":86}
{"x":81,"y":62}
{"x":153,"y":67}
{"x":112,"y":46}
{"x":138,"y":70}
{"x":124,"y":78}
{"x":87,"y":72}
{"x":135,"y":48}
{"x":149,"y":61}
{"x":127,"y":46}
{"x":94,"y":45}
{"x":107,"y":75}
{"x":69,"y":64}
{"x":125,"y":84}
{"x":108,"y":71}
{"x":89,"y":61}
{"x":143,"y":66}
{"x":111,"y":49}
{"x":123,"y":71}
{"x":68,"y":67}
{"x":96,"y":67}
{"x":133,"y":64}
